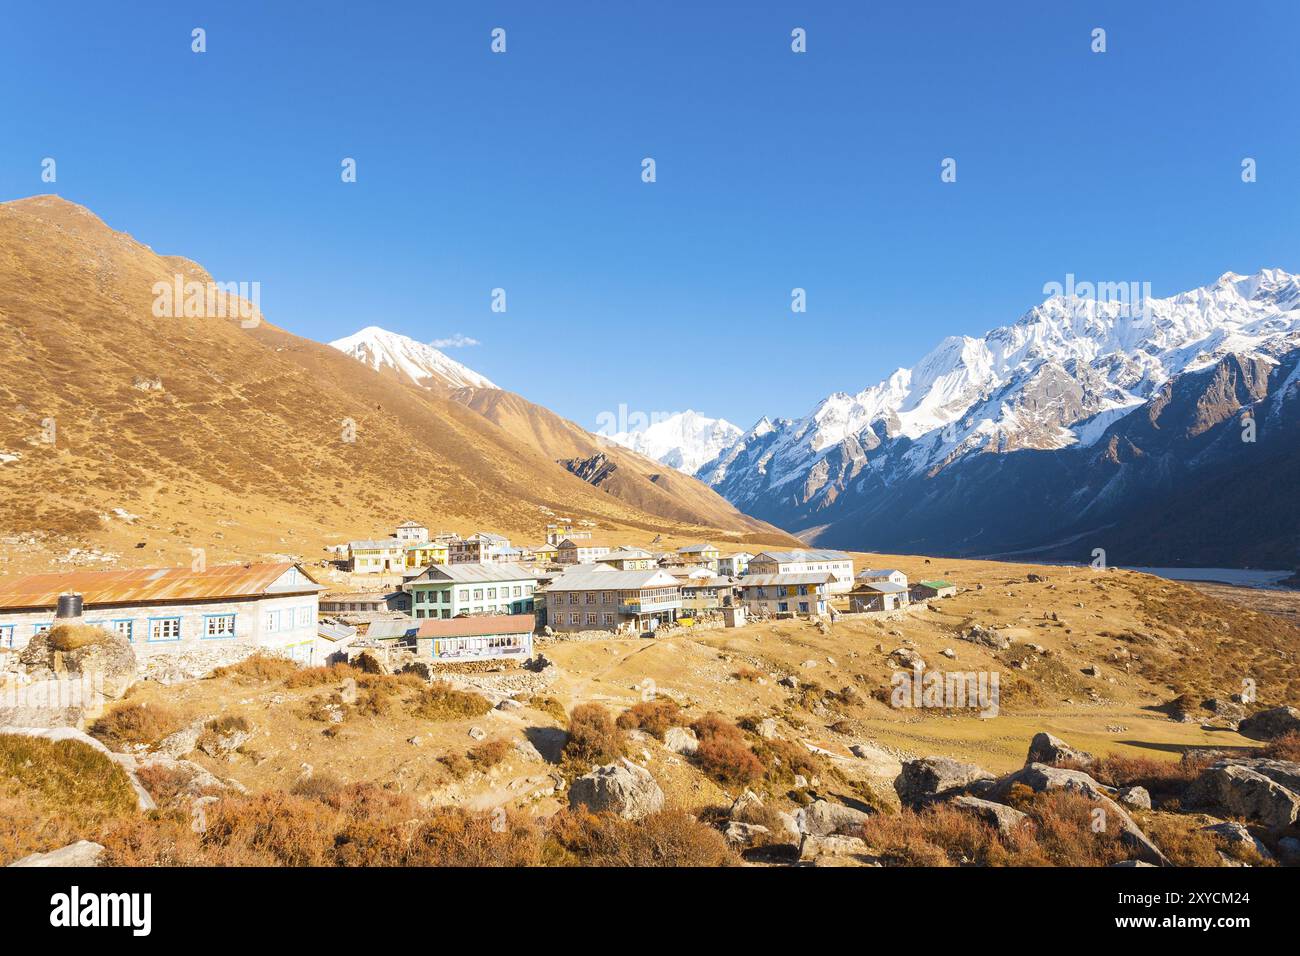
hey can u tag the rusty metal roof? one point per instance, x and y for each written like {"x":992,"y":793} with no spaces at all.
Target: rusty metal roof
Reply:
{"x":480,"y":625}
{"x":151,"y":585}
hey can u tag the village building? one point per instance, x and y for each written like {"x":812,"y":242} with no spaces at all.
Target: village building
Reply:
{"x":409,"y":531}
{"x":384,"y":556}
{"x":269,"y":606}
{"x":361,"y":606}
{"x":924,"y":590}
{"x":838,"y":563}
{"x":421,"y":554}
{"x":702,"y":553}
{"x":401,"y":629}
{"x":734,"y":565}
{"x":481,"y":638}
{"x":804,"y":593}
{"x":481,"y":547}
{"x":876,"y":575}
{"x":543,"y":553}
{"x":704,"y":595}
{"x":878,"y":595}
{"x":595,"y":597}
{"x":332,"y":643}
{"x":629,"y":559}
{"x":447,"y":591}
{"x":577,"y":550}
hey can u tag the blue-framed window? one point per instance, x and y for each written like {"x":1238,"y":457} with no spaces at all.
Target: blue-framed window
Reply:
{"x":123,"y":626}
{"x":6,"y":635}
{"x":41,"y":628}
{"x":218,"y":626}
{"x":164,"y":629}
{"x":304,"y":616}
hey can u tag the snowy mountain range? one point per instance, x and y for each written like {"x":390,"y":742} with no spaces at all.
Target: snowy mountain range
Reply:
{"x":684,"y":441}
{"x":422,"y":364}
{"x":1062,"y":384}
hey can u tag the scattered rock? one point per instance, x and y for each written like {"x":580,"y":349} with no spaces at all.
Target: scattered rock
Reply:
{"x":1136,"y":797}
{"x":823,"y":818}
{"x":997,"y":815}
{"x":1236,"y":834}
{"x":1046,"y":748}
{"x":986,"y":636}
{"x":819,"y":849}
{"x":681,"y":740}
{"x":477,"y":733}
{"x":928,"y":779}
{"x":1245,"y":792}
{"x":744,"y":835}
{"x":1270,"y":724}
{"x":906,"y":657}
{"x":622,"y":788}
{"x":81,"y":853}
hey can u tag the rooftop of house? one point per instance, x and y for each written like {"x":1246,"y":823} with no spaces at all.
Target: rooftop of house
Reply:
{"x":776,"y":580}
{"x":868,"y":573}
{"x":360,"y":596}
{"x":581,"y":543}
{"x":697,"y":548}
{"x":936,"y":584}
{"x":478,"y":625}
{"x":815,"y":554}
{"x":881,"y":587}
{"x":600,"y":577}
{"x":473,"y":574}
{"x":157,"y":585}
{"x":391,"y":630}
{"x":412,"y":524}
{"x":379,"y":544}
{"x":628,"y":554}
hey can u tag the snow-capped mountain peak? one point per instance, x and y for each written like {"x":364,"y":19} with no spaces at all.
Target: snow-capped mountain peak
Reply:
{"x":684,"y":441}
{"x":1059,"y":375}
{"x":422,"y":364}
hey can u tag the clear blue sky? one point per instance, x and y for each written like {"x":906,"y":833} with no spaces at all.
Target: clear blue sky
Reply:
{"x":775,"y":170}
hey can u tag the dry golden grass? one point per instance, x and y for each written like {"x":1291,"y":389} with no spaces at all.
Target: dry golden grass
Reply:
{"x":441,"y":701}
{"x":134,"y":723}
{"x":69,"y":637}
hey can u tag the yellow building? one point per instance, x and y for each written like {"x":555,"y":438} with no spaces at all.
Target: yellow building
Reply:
{"x":422,"y":554}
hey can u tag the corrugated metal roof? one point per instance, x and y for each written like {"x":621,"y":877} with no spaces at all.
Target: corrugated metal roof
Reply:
{"x":387,"y":544}
{"x":937,"y":584}
{"x":694,"y":548}
{"x":479,"y":625}
{"x":785,"y":557}
{"x":776,"y":580}
{"x":474,"y":573}
{"x":601,"y":577}
{"x":882,"y":587}
{"x":869,"y":573}
{"x":385,"y":630}
{"x":152,"y":585}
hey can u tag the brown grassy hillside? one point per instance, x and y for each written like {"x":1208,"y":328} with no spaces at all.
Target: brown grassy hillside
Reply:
{"x":241,"y":450}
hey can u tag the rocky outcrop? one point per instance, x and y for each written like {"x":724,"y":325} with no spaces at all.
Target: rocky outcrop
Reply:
{"x":1236,"y":835}
{"x":1045,"y":748}
{"x":80,"y":854}
{"x":79,"y":650}
{"x":623,"y":789}
{"x":681,"y":740}
{"x":823,"y":818}
{"x":1244,"y":791}
{"x":929,"y":779}
{"x":1002,"y":818}
{"x":1270,"y":724}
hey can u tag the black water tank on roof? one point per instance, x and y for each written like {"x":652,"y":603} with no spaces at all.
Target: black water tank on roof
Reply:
{"x":69,"y":605}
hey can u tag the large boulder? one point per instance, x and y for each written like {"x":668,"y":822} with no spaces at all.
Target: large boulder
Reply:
{"x":80,"y":650}
{"x":80,"y":854}
{"x":1002,"y":818}
{"x":681,"y":740}
{"x":1236,"y":835}
{"x":1041,"y":778}
{"x":823,"y":818}
{"x":1242,"y":791}
{"x":623,"y":789}
{"x":928,"y":779}
{"x":986,"y":636}
{"x":836,"y":851}
{"x":50,"y":703}
{"x":1270,"y":724}
{"x":1045,"y":748}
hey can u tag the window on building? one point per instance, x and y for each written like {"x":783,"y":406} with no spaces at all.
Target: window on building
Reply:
{"x":304,"y":616}
{"x":165,"y":629}
{"x":464,"y":594}
{"x":41,"y":628}
{"x":517,"y":591}
{"x":272,"y":622}
{"x":609,"y":620}
{"x":478,"y":594}
{"x":575,"y":617}
{"x":6,"y":635}
{"x":591,"y":597}
{"x":491,"y":593}
{"x":219,"y":625}
{"x":573,"y":597}
{"x":591,"y":618}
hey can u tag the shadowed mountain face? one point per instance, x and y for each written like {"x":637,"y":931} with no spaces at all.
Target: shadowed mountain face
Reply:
{"x":1177,"y":481}
{"x":150,"y":434}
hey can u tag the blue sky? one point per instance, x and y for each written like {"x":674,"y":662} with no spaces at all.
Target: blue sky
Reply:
{"x":775,"y":170}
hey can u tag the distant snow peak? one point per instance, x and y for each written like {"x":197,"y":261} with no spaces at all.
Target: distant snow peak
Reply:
{"x":682,"y":440}
{"x":422,"y":364}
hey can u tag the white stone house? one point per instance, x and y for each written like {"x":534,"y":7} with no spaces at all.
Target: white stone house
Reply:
{"x":230,"y":610}
{"x":838,"y":563}
{"x":878,"y":575}
{"x":411,"y":531}
{"x":807,"y":593}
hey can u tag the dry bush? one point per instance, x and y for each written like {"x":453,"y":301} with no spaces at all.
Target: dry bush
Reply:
{"x":457,"y":765}
{"x":749,"y":674}
{"x":1185,"y":845}
{"x":1163,"y":779}
{"x":317,"y":786}
{"x":550,"y":706}
{"x":1286,"y":747}
{"x":134,"y":724}
{"x":441,"y":701}
{"x":228,"y":724}
{"x":69,"y":637}
{"x":258,"y":669}
{"x":53,"y":793}
{"x":489,"y":753}
{"x":318,"y":676}
{"x":666,"y":838}
{"x":453,"y":837}
{"x":723,"y":753}
{"x":653,"y":716}
{"x":593,"y":737}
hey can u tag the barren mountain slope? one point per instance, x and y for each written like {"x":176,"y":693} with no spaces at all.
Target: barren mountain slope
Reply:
{"x":222,"y":437}
{"x":632,"y":477}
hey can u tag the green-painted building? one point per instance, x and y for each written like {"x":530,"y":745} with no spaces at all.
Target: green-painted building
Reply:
{"x":448,"y":590}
